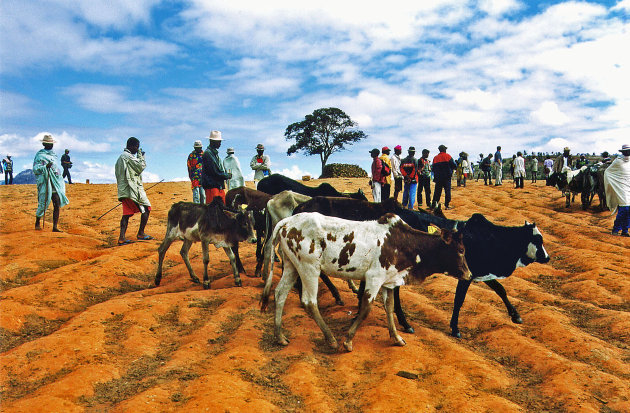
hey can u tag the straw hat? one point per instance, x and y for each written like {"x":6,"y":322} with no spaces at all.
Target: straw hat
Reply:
{"x":230,"y":150}
{"x":48,"y":139}
{"x":624,"y":148}
{"x":260,"y":146}
{"x":215,"y":135}
{"x":197,"y":144}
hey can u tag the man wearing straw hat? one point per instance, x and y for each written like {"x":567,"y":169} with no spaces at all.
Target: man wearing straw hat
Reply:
{"x":233,"y":166}
{"x":194,"y":164}
{"x":260,"y":164}
{"x":129,"y":167}
{"x":617,"y":188}
{"x":213,"y":176}
{"x":50,"y":185}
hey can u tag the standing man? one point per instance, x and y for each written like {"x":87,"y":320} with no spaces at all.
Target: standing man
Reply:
{"x":8,"y":170}
{"x":398,"y":178}
{"x":409,"y":171}
{"x":50,"y":185}
{"x":66,"y":165}
{"x":233,"y":166}
{"x":260,"y":164}
{"x":534,"y":168}
{"x":424,"y":178}
{"x":617,"y":188}
{"x":129,"y":167}
{"x":377,"y":175}
{"x":548,"y":165}
{"x":195,"y":167}
{"x":387,"y":186}
{"x":486,"y":167}
{"x":519,"y":170}
{"x":443,"y":167}
{"x":213,"y":175}
{"x":479,"y":169}
{"x":498,"y":167}
{"x":563,"y":162}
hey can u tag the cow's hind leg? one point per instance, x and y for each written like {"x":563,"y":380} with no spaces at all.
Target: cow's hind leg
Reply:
{"x":364,"y":310}
{"x":206,"y":260}
{"x":289,"y":276}
{"x":166,"y":243}
{"x":388,"y":297}
{"x":460,"y":296}
{"x":184,"y":253}
{"x":310,"y":285}
{"x":498,"y":288}
{"x":237,"y":277}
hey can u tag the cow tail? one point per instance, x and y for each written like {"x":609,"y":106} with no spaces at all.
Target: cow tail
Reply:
{"x":264,"y":298}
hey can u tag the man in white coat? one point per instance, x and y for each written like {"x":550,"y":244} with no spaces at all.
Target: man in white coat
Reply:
{"x":233,"y":166}
{"x":617,"y":187}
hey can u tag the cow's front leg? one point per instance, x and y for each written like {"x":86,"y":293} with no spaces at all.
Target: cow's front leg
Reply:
{"x":332,"y":288}
{"x":239,"y":264}
{"x":237,"y":277}
{"x":166,"y":243}
{"x":184,"y":253}
{"x":388,"y":297}
{"x":400,"y":313}
{"x":206,"y":260}
{"x":460,"y":296}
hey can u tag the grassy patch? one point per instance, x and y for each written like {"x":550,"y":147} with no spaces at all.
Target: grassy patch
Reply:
{"x":21,"y":278}
{"x":227,"y":329}
{"x":34,"y":327}
{"x":17,"y":388}
{"x":49,"y":265}
{"x":92,"y":296}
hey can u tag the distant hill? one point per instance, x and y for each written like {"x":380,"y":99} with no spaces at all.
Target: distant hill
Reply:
{"x":25,"y":177}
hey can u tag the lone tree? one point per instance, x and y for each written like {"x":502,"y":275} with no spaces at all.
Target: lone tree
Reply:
{"x":322,"y":133}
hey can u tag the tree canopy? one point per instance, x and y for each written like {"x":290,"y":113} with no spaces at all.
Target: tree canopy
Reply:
{"x":324,"y":132}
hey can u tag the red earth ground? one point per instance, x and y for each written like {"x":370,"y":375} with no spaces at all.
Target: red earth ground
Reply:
{"x":82,"y":329}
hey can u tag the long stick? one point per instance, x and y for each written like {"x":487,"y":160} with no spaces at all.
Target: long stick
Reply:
{"x":120,"y":203}
{"x":46,"y":201}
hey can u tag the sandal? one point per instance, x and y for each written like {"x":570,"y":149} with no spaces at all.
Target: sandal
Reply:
{"x":145,"y":238}
{"x":125,"y":242}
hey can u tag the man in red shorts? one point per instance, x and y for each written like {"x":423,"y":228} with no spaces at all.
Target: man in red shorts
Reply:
{"x":213,"y":176}
{"x":129,"y":167}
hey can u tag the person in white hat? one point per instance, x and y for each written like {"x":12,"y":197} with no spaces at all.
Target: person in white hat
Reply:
{"x":194,"y":164}
{"x":617,"y":188}
{"x":233,"y":166}
{"x":213,"y":176}
{"x":50,"y":185}
{"x":260,"y":164}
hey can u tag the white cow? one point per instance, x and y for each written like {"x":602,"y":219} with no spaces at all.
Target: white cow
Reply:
{"x":380,"y":252}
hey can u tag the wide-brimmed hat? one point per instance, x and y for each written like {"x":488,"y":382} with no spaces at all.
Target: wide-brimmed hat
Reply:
{"x":197,"y":144}
{"x":215,"y":135}
{"x":374,"y":151}
{"x":48,"y":139}
{"x":260,"y":146}
{"x":230,"y":150}
{"x":624,"y":148}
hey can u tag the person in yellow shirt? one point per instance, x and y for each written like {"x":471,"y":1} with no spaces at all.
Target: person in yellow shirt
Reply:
{"x":387,"y":186}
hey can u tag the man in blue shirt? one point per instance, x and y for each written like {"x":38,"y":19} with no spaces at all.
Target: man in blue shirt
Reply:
{"x":498,"y":167}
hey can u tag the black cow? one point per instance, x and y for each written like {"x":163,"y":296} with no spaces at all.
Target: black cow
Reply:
{"x":571,"y":183}
{"x":209,"y":224}
{"x":594,"y":185}
{"x":492,"y":251}
{"x":276,"y":183}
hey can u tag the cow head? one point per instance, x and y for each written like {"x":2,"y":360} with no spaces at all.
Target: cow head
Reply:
{"x":557,"y":179}
{"x":535,"y":251}
{"x":244,"y":228}
{"x":452,"y":256}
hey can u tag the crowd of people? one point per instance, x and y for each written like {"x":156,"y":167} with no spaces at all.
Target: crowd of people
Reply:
{"x":210,"y":175}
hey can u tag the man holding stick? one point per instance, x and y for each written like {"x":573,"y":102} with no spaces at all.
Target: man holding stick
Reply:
{"x":131,"y":192}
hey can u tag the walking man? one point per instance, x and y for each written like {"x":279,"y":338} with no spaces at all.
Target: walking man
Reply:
{"x":377,"y":175}
{"x":443,"y":167}
{"x":8,"y":170}
{"x":387,"y":186}
{"x":233,"y":166}
{"x":129,"y":167}
{"x":260,"y":164}
{"x":213,"y":175}
{"x":409,"y":171}
{"x":66,"y":165}
{"x":195,"y":166}
{"x":50,"y":185}
{"x":424,"y":178}
{"x":498,"y":167}
{"x":617,"y":187}
{"x":398,"y":178}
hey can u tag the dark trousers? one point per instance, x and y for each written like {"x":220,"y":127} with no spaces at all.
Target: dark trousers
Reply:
{"x":534,"y":176}
{"x":398,"y":187}
{"x":487,"y":177}
{"x":8,"y":177}
{"x":66,"y":172}
{"x":622,"y":221}
{"x":424,"y":184}
{"x":437,"y":194}
{"x":519,"y":182}
{"x":386,"y":189}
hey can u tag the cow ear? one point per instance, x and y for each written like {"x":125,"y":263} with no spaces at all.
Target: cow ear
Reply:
{"x":447,"y":236}
{"x":527,"y":223}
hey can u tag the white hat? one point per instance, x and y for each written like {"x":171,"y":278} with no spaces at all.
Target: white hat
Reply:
{"x":215,"y":135}
{"x":230,"y":150}
{"x":197,"y":144}
{"x":48,"y":139}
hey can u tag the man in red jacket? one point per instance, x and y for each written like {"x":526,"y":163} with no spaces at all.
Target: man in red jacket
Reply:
{"x":443,"y":167}
{"x":377,"y":175}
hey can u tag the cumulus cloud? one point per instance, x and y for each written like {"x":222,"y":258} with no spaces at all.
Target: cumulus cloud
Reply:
{"x":18,"y":145}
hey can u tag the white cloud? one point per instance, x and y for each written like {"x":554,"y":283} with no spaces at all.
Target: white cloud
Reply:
{"x":18,"y":145}
{"x":549,"y":114}
{"x":498,"y":7}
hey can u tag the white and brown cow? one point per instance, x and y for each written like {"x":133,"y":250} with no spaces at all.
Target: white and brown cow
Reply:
{"x":208,"y":224}
{"x":382,"y":253}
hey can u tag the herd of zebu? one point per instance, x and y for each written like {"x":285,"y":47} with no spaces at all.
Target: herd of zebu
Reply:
{"x":587,"y":181}
{"x":321,"y":233}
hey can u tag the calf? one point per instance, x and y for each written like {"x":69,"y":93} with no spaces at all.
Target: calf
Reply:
{"x":209,"y":224}
{"x":276,"y":183}
{"x":255,"y":201}
{"x":382,"y":253}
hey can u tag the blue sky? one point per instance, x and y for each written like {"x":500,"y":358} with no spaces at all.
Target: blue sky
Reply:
{"x":533,"y":76}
